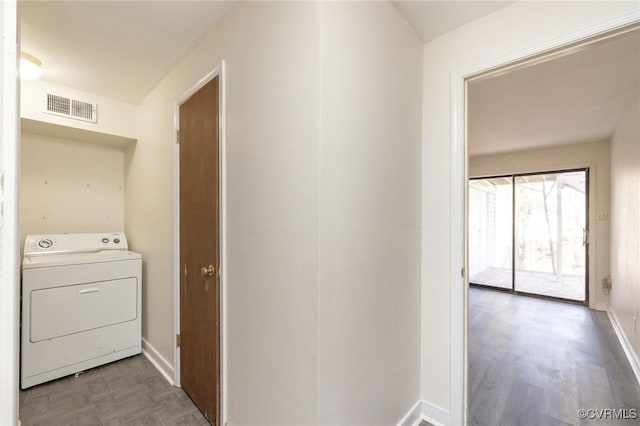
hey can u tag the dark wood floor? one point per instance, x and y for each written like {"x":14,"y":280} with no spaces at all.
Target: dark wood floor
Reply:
{"x":127,"y":392}
{"x":537,"y":362}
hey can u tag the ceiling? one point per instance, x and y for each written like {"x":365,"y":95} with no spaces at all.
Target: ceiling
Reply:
{"x":572,"y":99}
{"x":431,"y":19}
{"x":123,"y":49}
{"x":117,"y":49}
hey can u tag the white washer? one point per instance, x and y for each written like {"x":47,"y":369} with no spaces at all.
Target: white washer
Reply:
{"x":81,"y":304}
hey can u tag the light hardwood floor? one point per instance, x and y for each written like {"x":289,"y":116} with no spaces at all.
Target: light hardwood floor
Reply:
{"x":537,"y":362}
{"x":126,"y":392}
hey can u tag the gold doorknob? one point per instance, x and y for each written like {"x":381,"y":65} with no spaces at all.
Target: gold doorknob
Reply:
{"x":208,"y":270}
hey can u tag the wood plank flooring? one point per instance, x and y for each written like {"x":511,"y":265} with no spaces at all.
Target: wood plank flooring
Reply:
{"x":126,"y":392}
{"x":537,"y":362}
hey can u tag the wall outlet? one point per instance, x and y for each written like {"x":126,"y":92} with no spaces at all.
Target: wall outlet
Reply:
{"x":602,"y":216}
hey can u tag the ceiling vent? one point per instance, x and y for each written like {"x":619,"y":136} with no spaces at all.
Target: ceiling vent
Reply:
{"x":71,"y":108}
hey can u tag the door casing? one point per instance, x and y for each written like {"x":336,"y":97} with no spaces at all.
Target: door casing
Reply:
{"x":10,"y":215}
{"x":219,"y":72}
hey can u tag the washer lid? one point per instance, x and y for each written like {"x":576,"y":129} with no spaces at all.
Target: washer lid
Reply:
{"x":50,"y":244}
{"x":39,"y":261}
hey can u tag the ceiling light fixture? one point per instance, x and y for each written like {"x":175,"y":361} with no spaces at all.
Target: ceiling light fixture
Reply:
{"x":30,"y":67}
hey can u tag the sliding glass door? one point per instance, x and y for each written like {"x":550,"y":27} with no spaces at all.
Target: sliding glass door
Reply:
{"x":550,"y":237}
{"x":537,"y":222}
{"x":490,"y":241}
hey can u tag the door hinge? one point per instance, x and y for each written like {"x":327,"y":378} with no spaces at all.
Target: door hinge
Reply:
{"x":177,"y":340}
{"x":462,"y":272}
{"x":177,"y":136}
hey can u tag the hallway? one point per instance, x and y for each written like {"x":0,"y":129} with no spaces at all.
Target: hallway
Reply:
{"x":534,"y":361}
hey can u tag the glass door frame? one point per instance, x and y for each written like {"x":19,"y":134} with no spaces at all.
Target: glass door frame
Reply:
{"x":512,"y":290}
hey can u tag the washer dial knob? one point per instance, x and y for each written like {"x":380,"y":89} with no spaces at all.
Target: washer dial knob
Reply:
{"x":45,"y":243}
{"x":105,"y":240}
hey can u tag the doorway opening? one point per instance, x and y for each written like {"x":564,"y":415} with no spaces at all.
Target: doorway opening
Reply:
{"x":528,"y":233}
{"x":513,"y":171}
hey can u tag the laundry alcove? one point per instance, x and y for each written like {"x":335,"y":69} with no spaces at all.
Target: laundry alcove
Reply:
{"x":72,"y":171}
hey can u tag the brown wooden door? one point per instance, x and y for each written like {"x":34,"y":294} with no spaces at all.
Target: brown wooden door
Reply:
{"x":200,"y":248}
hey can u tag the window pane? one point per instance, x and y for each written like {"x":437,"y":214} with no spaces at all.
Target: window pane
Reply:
{"x":490,"y":251}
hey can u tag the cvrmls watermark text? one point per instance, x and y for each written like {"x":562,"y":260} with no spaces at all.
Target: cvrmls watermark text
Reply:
{"x":608,"y":413}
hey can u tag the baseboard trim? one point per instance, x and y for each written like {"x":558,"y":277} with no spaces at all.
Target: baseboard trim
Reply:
{"x":430,"y":413}
{"x":413,"y":417}
{"x":631,"y":354}
{"x":158,"y":361}
{"x":435,"y":415}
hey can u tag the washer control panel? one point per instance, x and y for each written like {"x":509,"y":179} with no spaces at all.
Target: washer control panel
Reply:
{"x":74,"y":243}
{"x":114,"y":240}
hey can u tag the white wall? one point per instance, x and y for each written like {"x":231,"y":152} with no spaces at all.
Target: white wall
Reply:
{"x":114,"y":117}
{"x":9,"y":264}
{"x":323,"y":113}
{"x":625,"y":225}
{"x":595,"y":156}
{"x":369,"y":215}
{"x":272,"y":129}
{"x":512,"y":29}
{"x":70,"y":186}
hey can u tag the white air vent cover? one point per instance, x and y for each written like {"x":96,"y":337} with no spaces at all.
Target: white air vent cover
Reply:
{"x":71,"y":108}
